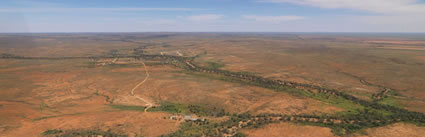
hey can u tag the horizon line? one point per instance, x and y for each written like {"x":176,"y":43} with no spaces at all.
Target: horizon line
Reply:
{"x":205,"y":32}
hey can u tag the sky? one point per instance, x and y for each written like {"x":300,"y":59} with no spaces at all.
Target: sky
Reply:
{"x":212,"y":16}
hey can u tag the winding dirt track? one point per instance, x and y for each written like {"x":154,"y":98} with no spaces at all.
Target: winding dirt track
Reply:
{"x":149,"y":104}
{"x":115,"y":60}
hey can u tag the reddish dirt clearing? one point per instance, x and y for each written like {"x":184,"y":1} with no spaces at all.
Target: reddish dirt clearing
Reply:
{"x":288,"y":130}
{"x":146,"y":124}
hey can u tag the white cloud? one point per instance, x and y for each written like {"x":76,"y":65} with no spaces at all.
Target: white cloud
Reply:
{"x":392,"y":23}
{"x":91,"y":9}
{"x":376,"y":6}
{"x":205,"y":17}
{"x":273,"y":19}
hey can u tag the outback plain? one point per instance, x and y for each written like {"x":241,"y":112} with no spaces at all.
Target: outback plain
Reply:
{"x":212,"y":84}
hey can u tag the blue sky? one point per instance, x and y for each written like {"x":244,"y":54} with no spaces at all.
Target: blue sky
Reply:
{"x":212,"y":15}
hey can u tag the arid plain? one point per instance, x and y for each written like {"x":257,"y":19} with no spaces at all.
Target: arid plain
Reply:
{"x":212,"y":84}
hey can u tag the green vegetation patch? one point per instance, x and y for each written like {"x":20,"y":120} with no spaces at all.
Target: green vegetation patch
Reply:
{"x":214,"y":65}
{"x":80,"y":133}
{"x":171,"y":108}
{"x":366,"y":118}
{"x":349,"y":106}
{"x":156,"y":63}
{"x":123,"y":65}
{"x":52,"y":132}
{"x":127,"y":107}
{"x":197,"y":109}
{"x":390,"y":100}
{"x":330,"y":99}
{"x":239,"y":134}
{"x":203,"y":110}
{"x":337,"y":101}
{"x":207,"y":128}
{"x":189,"y":129}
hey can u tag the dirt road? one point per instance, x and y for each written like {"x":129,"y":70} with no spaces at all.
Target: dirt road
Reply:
{"x":149,"y":104}
{"x":178,"y":53}
{"x":115,"y":60}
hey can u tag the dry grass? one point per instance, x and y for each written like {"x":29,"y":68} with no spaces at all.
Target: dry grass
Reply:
{"x":132,"y":123}
{"x":76,"y":94}
{"x":396,"y":130}
{"x":288,"y":130}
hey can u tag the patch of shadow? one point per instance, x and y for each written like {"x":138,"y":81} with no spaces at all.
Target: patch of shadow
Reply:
{"x":41,"y":118}
{"x":398,"y":61}
{"x":80,"y":133}
{"x":419,"y":63}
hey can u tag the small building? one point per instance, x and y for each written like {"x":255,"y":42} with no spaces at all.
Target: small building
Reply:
{"x":190,"y":118}
{"x":173,"y":117}
{"x":186,"y":118}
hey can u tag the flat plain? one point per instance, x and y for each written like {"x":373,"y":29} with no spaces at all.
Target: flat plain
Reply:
{"x":134,"y":84}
